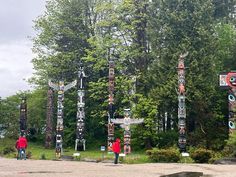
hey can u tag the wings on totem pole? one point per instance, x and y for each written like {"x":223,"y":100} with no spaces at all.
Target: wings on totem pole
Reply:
{"x":54,"y":86}
{"x":184,"y":55}
{"x":130,"y":121}
{"x":117,"y":121}
{"x":70,"y":85}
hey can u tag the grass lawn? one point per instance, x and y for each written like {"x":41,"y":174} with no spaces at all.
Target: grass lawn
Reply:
{"x":37,"y":151}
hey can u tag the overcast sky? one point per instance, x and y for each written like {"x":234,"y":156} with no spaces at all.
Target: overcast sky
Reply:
{"x":16,"y":28}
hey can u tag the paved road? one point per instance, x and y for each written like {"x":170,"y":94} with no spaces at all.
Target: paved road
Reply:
{"x":48,"y":168}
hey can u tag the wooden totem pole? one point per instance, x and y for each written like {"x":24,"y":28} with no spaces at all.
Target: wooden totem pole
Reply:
{"x":125,"y":123}
{"x":181,"y":108}
{"x":228,"y":81}
{"x":49,"y":120}
{"x":23,"y":116}
{"x":59,"y":129}
{"x":80,"y":141}
{"x":111,"y":88}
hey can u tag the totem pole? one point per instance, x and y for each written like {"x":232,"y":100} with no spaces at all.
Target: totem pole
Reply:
{"x":49,"y":129}
{"x":125,"y":123}
{"x":23,"y":116}
{"x":111,"y":87}
{"x":181,"y":108}
{"x":80,"y":141}
{"x":61,"y":89}
{"x":228,"y":81}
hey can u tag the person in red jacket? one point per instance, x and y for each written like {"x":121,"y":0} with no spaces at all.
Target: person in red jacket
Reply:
{"x":22,"y":144}
{"x":116,"y":149}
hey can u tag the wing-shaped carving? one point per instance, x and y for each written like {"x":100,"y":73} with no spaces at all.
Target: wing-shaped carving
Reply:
{"x":70,"y":85}
{"x":117,"y":121}
{"x":54,"y":86}
{"x":136,"y":121}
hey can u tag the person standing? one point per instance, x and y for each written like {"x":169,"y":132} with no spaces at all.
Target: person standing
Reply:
{"x":116,"y":149}
{"x":22,"y":143}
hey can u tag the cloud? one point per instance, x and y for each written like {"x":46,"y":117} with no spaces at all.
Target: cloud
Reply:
{"x":16,"y":18}
{"x":15,"y":66}
{"x":16,"y":22}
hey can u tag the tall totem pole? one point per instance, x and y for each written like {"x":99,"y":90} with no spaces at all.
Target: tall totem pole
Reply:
{"x":181,"y":108}
{"x":111,"y":88}
{"x":60,"y":99}
{"x":228,"y":81}
{"x":23,"y":116}
{"x":125,"y":123}
{"x":80,"y":141}
{"x":49,"y":120}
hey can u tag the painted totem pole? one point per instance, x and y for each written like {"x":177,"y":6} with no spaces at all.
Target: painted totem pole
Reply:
{"x":125,"y":123}
{"x":23,"y":116}
{"x":80,"y":141}
{"x":59,"y":129}
{"x":111,"y":89}
{"x":228,"y":81}
{"x":49,"y":129}
{"x":181,"y":108}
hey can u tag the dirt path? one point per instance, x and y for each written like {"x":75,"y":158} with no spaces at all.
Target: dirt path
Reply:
{"x":48,"y":168}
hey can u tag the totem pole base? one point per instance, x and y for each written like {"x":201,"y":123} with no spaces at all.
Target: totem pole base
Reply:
{"x":80,"y":145}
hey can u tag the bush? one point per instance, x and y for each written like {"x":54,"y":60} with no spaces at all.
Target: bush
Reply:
{"x":201,"y":155}
{"x":8,"y":150}
{"x":43,"y":157}
{"x":28,"y":154}
{"x":164,"y":155}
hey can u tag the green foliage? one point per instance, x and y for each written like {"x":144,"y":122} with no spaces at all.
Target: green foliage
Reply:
{"x":164,"y":155}
{"x":201,"y":155}
{"x":8,"y":150}
{"x":43,"y":157}
{"x":145,"y":39}
{"x":167,"y":139}
{"x":230,"y":147}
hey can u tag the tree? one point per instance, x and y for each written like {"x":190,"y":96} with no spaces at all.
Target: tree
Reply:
{"x":177,"y":27}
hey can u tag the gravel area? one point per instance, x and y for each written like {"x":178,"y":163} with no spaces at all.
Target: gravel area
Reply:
{"x":49,"y":168}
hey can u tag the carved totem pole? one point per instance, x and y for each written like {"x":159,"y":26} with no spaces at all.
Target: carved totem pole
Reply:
{"x":111,"y":88}
{"x":59,"y":129}
{"x":181,"y":108}
{"x":228,"y":81}
{"x":49,"y":128}
{"x":23,"y":116}
{"x":80,"y":141}
{"x":125,"y":123}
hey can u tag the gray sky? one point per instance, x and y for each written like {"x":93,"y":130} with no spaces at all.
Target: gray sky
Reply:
{"x":16,"y":26}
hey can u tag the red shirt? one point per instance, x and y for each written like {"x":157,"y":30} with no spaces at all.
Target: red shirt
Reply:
{"x":22,"y":142}
{"x":116,"y":147}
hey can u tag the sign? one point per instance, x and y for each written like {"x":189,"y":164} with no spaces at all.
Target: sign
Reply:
{"x":185,"y":154}
{"x":103,"y":148}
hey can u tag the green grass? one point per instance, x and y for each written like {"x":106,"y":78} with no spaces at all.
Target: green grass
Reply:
{"x":37,"y":152}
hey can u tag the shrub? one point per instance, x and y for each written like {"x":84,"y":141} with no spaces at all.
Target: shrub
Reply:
{"x":8,"y":150}
{"x":201,"y":155}
{"x":28,"y":154}
{"x":43,"y":157}
{"x":164,"y":155}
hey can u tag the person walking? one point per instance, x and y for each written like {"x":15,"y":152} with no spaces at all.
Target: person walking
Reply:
{"x":116,"y":149}
{"x":22,"y":143}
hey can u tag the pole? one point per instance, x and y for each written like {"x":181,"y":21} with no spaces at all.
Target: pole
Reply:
{"x":181,"y":108}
